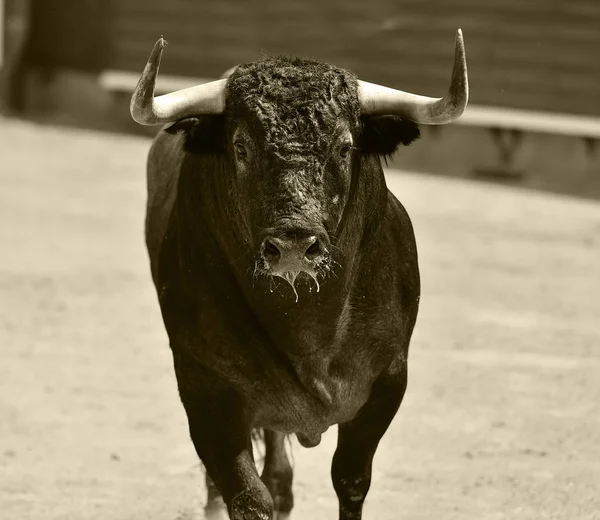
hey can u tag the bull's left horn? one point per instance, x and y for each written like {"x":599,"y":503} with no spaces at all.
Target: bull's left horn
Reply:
{"x":376,"y":99}
{"x":208,"y":98}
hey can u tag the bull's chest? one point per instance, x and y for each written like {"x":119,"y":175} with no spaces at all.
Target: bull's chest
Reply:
{"x":325,"y":390}
{"x":302,"y":380}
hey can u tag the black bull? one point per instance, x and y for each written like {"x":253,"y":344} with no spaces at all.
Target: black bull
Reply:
{"x":287,"y":277}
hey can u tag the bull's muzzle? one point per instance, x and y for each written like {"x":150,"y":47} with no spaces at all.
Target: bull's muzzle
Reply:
{"x":292,"y":252}
{"x":286,"y":254}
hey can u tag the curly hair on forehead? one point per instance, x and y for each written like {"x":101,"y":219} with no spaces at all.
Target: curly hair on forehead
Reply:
{"x":297,"y":102}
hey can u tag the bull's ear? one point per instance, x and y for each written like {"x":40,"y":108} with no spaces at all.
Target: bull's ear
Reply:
{"x":203,"y":134}
{"x":383,"y":135}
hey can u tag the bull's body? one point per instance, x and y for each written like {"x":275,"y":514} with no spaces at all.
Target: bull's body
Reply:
{"x":286,"y":270}
{"x":299,"y":366}
{"x":292,"y":367}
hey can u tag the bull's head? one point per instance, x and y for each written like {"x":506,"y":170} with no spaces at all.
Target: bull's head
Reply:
{"x":293,"y":131}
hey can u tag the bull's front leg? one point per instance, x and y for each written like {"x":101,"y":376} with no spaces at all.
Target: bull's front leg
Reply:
{"x":222,"y":440}
{"x":222,"y":437}
{"x":277,"y":475}
{"x":357,"y":443}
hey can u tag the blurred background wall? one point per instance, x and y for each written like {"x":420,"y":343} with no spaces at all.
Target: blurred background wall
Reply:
{"x":535,"y":54}
{"x":540,"y":55}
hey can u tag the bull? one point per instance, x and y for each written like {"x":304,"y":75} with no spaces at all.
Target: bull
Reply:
{"x":286,"y":272}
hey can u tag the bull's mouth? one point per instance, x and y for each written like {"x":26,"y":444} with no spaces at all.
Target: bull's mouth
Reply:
{"x":308,"y":274}
{"x":291,"y":277}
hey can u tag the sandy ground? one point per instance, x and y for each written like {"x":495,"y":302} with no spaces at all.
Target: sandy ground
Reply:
{"x":502,"y":414}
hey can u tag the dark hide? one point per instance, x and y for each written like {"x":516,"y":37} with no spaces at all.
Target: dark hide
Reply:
{"x":248,"y":355}
{"x":383,"y":135}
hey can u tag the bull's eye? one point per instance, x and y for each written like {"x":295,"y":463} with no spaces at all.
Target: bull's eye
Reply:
{"x":240,"y":151}
{"x":345,"y":150}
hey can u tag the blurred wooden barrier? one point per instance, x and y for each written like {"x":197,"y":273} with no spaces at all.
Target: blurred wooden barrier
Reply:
{"x":119,"y":82}
{"x":506,"y":126}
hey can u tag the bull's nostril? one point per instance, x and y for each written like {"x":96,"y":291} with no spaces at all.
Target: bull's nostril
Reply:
{"x":270,"y":251}
{"x":314,"y":250}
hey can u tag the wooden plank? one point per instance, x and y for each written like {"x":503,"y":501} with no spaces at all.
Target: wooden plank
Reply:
{"x":120,"y":81}
{"x":531,"y":121}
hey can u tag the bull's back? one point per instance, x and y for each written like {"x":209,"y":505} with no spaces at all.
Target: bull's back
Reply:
{"x":164,"y":161}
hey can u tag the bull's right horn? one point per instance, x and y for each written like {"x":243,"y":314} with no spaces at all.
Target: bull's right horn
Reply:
{"x":376,"y":99}
{"x":208,"y":98}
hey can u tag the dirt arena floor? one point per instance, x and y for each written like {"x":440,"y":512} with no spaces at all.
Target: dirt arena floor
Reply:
{"x":502,"y":415}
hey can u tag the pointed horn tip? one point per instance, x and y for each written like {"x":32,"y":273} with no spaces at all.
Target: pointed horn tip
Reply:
{"x":157,"y":50}
{"x":159,"y":46}
{"x":460,"y":41}
{"x":460,"y":56}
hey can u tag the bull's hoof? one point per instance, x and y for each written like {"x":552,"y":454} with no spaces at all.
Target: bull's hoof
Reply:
{"x":252,"y":504}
